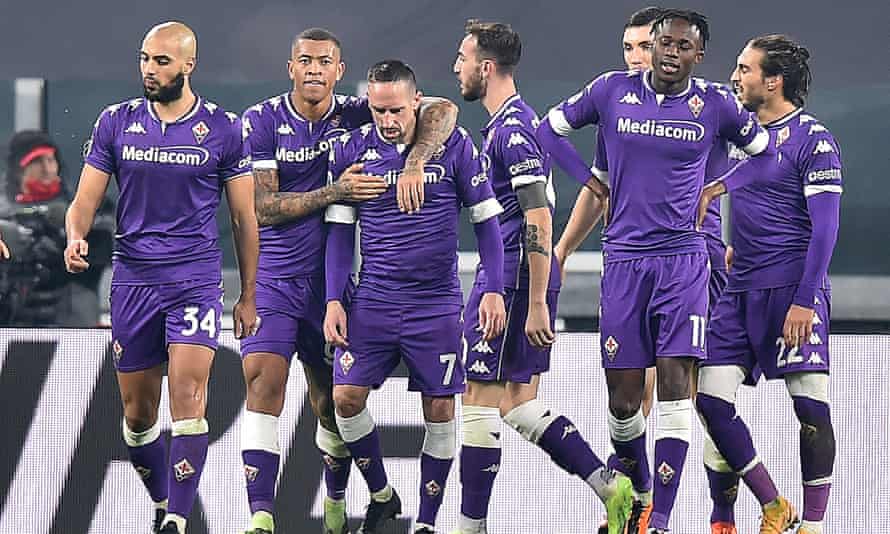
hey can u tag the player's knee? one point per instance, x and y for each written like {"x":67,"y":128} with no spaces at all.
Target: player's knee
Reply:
{"x":438,"y":409}
{"x":323,"y":407}
{"x":266,"y":391}
{"x":140,"y":413}
{"x":347,"y":402}
{"x":622,"y":407}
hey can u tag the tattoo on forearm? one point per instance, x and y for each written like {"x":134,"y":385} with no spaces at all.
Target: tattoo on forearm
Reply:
{"x":275,"y":207}
{"x":435,"y":125}
{"x":533,"y":241}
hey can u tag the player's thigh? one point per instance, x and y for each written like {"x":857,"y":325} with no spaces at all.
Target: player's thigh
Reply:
{"x":141,"y":396}
{"x":265,"y":374}
{"x":431,"y":344}
{"x":626,"y":336}
{"x":680,"y":305}
{"x":372,"y":354}
{"x":774,"y":356}
{"x":137,"y":328}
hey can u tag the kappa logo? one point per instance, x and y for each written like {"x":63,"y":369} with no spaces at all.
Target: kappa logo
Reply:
{"x":815,"y":359}
{"x":823,"y":147}
{"x":363,"y":463}
{"x":275,"y":102}
{"x":144,"y":472}
{"x":246,"y":128}
{"x":332,"y":464}
{"x":628,"y":463}
{"x":433,"y":488}
{"x":816,"y":319}
{"x":611,"y":347}
{"x":251,"y":472}
{"x":782,"y":136}
{"x":568,"y":429}
{"x":816,"y":128}
{"x":696,"y":105}
{"x":666,"y":473}
{"x":479,"y":368}
{"x":482,"y":347}
{"x":210,"y":107}
{"x":512,"y":121}
{"x":510,"y":110}
{"x":346,"y":362}
{"x":493,"y":468}
{"x":815,"y":339}
{"x":731,"y":493}
{"x":370,"y":155}
{"x":201,"y":131}
{"x":285,"y":129}
{"x":135,"y":128}
{"x":516,"y":139}
{"x":632,"y":99}
{"x":183,"y":470}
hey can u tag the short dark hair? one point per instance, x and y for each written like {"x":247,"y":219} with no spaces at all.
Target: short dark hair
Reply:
{"x":496,"y":41}
{"x":694,"y":18}
{"x":391,"y":70}
{"x":318,"y":34}
{"x":643,"y":17}
{"x":783,"y":56}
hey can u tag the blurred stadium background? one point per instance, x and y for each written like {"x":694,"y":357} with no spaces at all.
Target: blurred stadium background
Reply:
{"x":65,"y":62}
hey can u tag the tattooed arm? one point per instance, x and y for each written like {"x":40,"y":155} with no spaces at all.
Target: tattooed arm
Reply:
{"x":438,"y":117}
{"x":538,"y":243}
{"x":276,"y":207}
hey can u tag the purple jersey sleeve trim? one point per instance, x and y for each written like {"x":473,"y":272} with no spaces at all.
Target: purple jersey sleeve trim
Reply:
{"x":491,"y":253}
{"x":824,"y":208}
{"x":562,"y":151}
{"x":338,"y":259}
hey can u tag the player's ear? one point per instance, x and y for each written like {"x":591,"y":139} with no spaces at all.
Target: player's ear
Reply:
{"x":418,"y":96}
{"x":290,"y":69}
{"x":341,"y":70}
{"x":188,"y":66}
{"x":699,"y":56}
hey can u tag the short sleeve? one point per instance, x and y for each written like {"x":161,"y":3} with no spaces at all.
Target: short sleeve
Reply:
{"x":739,"y":126}
{"x":520,"y":155}
{"x":582,"y":108}
{"x":99,"y":149}
{"x":235,"y":159}
{"x":258,"y":134}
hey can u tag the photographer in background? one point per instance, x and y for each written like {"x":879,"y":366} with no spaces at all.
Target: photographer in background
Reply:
{"x":35,"y":289}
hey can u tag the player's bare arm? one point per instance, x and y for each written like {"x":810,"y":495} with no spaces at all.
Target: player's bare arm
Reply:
{"x":4,"y":250}
{"x":276,"y":207}
{"x":589,"y":207}
{"x":435,"y":123}
{"x":538,"y":243}
{"x":247,"y":249}
{"x":80,"y":215}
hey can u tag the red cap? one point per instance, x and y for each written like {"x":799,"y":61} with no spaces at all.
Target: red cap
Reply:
{"x":36,"y":152}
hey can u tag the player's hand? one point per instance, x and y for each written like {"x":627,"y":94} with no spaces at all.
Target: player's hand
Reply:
{"x":335,"y":324}
{"x":75,"y":254}
{"x":708,"y":194}
{"x":798,"y":325}
{"x":537,"y":326}
{"x":357,"y":187}
{"x":409,"y":189}
{"x":730,"y":255}
{"x":492,"y":315}
{"x":247,"y":322}
{"x":4,"y":250}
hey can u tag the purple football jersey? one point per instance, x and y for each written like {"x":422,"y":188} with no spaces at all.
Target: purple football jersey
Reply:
{"x":658,"y":147}
{"x":279,"y":138}
{"x":412,"y":258}
{"x":170,"y":177}
{"x":513,"y":158}
{"x":718,"y":164}
{"x":771,"y":224}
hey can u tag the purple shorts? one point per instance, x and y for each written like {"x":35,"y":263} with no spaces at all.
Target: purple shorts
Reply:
{"x":716,"y":284}
{"x":746,"y":330}
{"x":292,"y":313}
{"x":510,"y":356}
{"x":146,"y":319}
{"x":653,"y":307}
{"x":427,"y":337}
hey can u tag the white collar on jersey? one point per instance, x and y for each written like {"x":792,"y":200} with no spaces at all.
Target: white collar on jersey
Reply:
{"x":648,"y":86}
{"x":501,"y":109}
{"x":782,"y":120}
{"x":296,"y":114}
{"x":191,"y":113}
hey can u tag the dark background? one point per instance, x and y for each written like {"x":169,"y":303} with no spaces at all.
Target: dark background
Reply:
{"x":88,"y":53}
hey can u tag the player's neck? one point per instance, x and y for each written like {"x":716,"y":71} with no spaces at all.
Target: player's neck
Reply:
{"x":312,"y":111}
{"x":667,"y":88}
{"x":498,"y":91}
{"x":174,"y":110}
{"x":773,"y":111}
